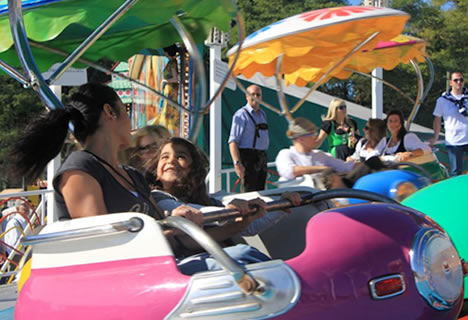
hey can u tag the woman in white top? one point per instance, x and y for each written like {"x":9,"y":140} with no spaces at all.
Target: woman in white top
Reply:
{"x":373,"y":143}
{"x":402,"y":144}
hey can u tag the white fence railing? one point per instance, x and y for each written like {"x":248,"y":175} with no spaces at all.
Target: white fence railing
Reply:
{"x":17,"y":256}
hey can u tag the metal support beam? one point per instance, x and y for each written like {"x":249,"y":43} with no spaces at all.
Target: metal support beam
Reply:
{"x":215,"y":126}
{"x":377,"y":94}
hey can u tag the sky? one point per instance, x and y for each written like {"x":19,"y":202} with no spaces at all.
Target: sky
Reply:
{"x":355,"y":2}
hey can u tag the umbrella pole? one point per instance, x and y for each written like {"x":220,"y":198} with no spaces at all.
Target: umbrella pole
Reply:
{"x":340,"y":62}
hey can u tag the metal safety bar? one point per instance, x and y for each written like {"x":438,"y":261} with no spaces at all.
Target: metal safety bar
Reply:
{"x":131,"y":225}
{"x":243,"y":279}
{"x":227,"y":214}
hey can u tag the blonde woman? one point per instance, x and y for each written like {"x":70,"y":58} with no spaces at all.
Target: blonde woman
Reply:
{"x":340,"y":131}
{"x":145,"y":143}
{"x":144,"y":146}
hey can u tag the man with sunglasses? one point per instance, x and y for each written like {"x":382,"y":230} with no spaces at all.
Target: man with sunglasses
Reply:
{"x":248,"y":142}
{"x":452,"y":106}
{"x":303,"y":157}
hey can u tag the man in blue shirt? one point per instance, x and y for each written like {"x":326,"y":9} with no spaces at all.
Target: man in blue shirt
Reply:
{"x":248,"y":142}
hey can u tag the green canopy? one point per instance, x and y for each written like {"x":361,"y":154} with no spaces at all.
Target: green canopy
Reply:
{"x":65,"y":24}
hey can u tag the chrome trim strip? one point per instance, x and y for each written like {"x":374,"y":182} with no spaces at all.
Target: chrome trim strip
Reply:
{"x":33,"y":75}
{"x":373,"y":283}
{"x":131,"y":225}
{"x":207,"y":243}
{"x":12,"y":72}
{"x":419,"y":96}
{"x":420,"y":276}
{"x":280,"y":91}
{"x":245,"y":307}
{"x":200,"y":303}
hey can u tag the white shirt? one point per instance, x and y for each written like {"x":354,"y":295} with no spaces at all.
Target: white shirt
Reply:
{"x":16,"y":222}
{"x":362,"y":152}
{"x":411,"y":142}
{"x":287,"y":159}
{"x":455,"y":124}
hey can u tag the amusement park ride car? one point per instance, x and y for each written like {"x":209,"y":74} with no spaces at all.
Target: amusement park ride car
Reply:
{"x":373,"y":260}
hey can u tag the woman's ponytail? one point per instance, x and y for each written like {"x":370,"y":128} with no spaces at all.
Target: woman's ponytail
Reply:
{"x":42,"y":140}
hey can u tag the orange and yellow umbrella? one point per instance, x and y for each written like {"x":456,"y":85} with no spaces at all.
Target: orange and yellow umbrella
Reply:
{"x":312,"y":43}
{"x":387,"y":55}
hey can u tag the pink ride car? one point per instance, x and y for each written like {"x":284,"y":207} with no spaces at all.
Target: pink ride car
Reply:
{"x":367,"y":261}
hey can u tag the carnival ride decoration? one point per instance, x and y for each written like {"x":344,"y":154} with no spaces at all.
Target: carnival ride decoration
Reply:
{"x":334,"y":42}
{"x":414,"y":272}
{"x":403,"y":277}
{"x":85,"y":31}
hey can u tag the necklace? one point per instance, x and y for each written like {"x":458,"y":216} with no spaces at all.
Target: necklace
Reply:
{"x":131,"y":183}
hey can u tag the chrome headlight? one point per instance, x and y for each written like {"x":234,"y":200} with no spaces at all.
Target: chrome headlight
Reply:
{"x":436,"y":268}
{"x":403,"y":190}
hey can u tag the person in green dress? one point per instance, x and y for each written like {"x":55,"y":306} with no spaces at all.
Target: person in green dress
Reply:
{"x":340,"y":131}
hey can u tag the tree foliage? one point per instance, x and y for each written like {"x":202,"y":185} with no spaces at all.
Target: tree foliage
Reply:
{"x":17,"y":107}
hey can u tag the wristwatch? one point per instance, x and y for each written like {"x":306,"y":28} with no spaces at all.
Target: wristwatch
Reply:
{"x":236,"y":162}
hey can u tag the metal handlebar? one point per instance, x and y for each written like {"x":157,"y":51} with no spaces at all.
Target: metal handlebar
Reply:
{"x":275,"y":205}
{"x":244,"y":280}
{"x":131,"y":225}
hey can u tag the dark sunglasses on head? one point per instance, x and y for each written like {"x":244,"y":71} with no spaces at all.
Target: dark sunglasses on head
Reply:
{"x":458,"y":80}
{"x":341,"y":107}
{"x":148,"y":147}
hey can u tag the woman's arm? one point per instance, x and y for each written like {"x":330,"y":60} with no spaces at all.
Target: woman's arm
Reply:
{"x":82,"y":194}
{"x":355,"y":156}
{"x":322,"y":136}
{"x":414,"y":146}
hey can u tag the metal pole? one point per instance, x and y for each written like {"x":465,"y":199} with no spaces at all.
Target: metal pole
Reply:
{"x":215,"y":125}
{"x":52,"y":167}
{"x":377,"y":93}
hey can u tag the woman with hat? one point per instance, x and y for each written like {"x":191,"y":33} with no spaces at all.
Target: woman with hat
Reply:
{"x":303,"y":157}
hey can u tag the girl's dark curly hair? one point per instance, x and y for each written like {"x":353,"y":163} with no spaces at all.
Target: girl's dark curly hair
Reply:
{"x":192,"y":188}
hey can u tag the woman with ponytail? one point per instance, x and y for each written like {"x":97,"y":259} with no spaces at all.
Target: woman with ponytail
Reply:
{"x":90,"y":181}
